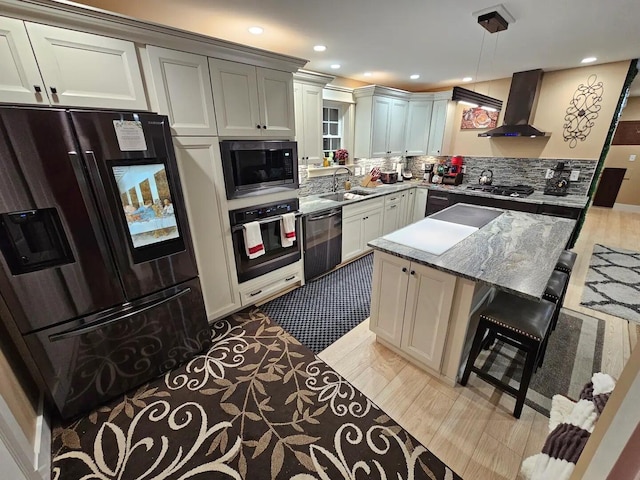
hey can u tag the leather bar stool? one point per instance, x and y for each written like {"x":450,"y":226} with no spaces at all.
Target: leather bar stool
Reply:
{"x":555,"y":291}
{"x":519,"y":322}
{"x":566,"y":261}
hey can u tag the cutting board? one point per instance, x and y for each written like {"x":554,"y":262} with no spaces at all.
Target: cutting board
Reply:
{"x":431,"y":236}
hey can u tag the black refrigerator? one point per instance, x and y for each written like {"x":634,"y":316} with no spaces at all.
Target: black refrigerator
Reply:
{"x":98,"y":280}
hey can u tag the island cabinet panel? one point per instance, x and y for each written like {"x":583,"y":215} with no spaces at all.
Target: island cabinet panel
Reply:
{"x":389,"y":293}
{"x":183,"y":89}
{"x":410,"y":307}
{"x":86,"y":70}
{"x":426,"y":314}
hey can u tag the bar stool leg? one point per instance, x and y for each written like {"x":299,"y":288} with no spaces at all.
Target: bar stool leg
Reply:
{"x":476,"y":347}
{"x":529,"y":366}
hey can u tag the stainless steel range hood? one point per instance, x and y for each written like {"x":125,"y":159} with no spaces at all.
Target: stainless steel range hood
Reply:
{"x":523,"y":97}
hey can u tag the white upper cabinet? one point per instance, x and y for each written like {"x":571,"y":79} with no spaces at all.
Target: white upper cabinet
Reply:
{"x":20,"y":80}
{"x":275,"y":92}
{"x":183,"y":90}
{"x":397,"y":123}
{"x":252,"y":101}
{"x":86,"y":70}
{"x":308,"y":114}
{"x":418,"y":122}
{"x":381,"y":115}
{"x":438,"y":123}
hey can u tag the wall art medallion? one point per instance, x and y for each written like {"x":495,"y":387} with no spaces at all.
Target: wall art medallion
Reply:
{"x":478,"y":118}
{"x":583,"y":110}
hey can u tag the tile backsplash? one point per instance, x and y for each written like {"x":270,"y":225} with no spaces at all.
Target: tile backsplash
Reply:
{"x":506,"y":171}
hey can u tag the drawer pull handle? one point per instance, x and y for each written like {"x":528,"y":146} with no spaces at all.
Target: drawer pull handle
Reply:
{"x":255,"y":293}
{"x":54,"y":90}
{"x":393,"y":206}
{"x":37,"y":88}
{"x":289,"y":278}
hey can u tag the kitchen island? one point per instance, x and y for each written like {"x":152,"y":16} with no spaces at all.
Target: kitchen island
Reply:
{"x":422,"y":302}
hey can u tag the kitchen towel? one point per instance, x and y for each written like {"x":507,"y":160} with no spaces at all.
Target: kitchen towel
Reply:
{"x":288,"y":229}
{"x":253,"y":240}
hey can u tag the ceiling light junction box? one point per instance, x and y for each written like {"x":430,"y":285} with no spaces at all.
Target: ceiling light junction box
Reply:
{"x":494,"y":19}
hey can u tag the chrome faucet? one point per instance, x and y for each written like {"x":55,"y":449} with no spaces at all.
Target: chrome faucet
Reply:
{"x":335,"y":183}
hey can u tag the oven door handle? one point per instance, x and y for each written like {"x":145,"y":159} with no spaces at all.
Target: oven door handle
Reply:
{"x":237,"y":228}
{"x":74,"y":332}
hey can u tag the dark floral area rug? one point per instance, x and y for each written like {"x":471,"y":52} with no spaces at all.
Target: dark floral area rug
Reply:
{"x":257,"y":405}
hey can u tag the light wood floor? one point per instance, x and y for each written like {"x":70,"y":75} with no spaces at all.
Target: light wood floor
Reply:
{"x":471,"y":428}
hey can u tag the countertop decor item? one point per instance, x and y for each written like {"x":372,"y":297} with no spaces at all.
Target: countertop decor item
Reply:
{"x":342,"y":155}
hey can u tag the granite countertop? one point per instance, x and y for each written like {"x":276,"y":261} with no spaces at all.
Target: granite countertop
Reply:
{"x":576,"y":201}
{"x":314,"y":204}
{"x":516,"y":252}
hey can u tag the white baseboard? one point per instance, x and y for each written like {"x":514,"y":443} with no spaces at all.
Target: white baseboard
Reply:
{"x":33,"y":461}
{"x":626,"y":207}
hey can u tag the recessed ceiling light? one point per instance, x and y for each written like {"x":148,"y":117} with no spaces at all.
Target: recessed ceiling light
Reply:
{"x":467,"y":79}
{"x":367,"y":74}
{"x":415,"y":76}
{"x":256,"y":30}
{"x":589,"y":60}
{"x":319,"y":48}
{"x":335,"y":66}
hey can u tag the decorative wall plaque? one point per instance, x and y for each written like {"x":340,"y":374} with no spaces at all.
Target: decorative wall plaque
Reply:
{"x":583,"y":110}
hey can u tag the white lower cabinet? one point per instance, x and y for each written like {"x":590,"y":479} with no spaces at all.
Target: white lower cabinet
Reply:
{"x":200,"y":169}
{"x":410,"y":307}
{"x":393,"y":213}
{"x":272,"y":283}
{"x":361,"y":223}
{"x":419,"y":209}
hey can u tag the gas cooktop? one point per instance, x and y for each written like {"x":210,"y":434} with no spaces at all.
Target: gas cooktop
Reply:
{"x":505,"y":190}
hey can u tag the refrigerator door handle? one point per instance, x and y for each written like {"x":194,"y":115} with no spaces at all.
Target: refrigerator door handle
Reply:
{"x":79,"y":168}
{"x":95,"y":326}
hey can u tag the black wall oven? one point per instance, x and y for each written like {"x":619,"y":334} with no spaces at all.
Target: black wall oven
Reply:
{"x":256,"y":167}
{"x":276,"y":256}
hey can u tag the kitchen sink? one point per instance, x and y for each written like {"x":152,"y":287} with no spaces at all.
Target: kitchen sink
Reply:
{"x":344,"y":196}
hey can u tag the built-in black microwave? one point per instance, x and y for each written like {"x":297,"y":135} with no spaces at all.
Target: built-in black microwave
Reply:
{"x":255,"y":167}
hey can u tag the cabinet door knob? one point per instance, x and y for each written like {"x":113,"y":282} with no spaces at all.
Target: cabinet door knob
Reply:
{"x":54,"y":90}
{"x":258,"y":126}
{"x":264,"y":126}
{"x":37,"y":88}
{"x":413,"y":272}
{"x":404,"y":269}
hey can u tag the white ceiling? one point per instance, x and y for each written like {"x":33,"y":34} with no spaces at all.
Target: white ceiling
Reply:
{"x":438,"y":39}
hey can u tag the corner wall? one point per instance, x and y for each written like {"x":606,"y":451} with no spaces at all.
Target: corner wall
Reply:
{"x":618,"y":157}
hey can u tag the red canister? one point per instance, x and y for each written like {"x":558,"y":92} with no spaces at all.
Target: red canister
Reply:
{"x":456,"y":164}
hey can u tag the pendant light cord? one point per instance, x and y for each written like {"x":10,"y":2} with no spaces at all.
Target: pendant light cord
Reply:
{"x":495,"y":49}
{"x":479,"y":58}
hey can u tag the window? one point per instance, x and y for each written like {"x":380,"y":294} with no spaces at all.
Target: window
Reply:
{"x":331,"y":129}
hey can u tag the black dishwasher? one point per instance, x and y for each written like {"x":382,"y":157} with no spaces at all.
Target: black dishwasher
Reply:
{"x":322,"y":242}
